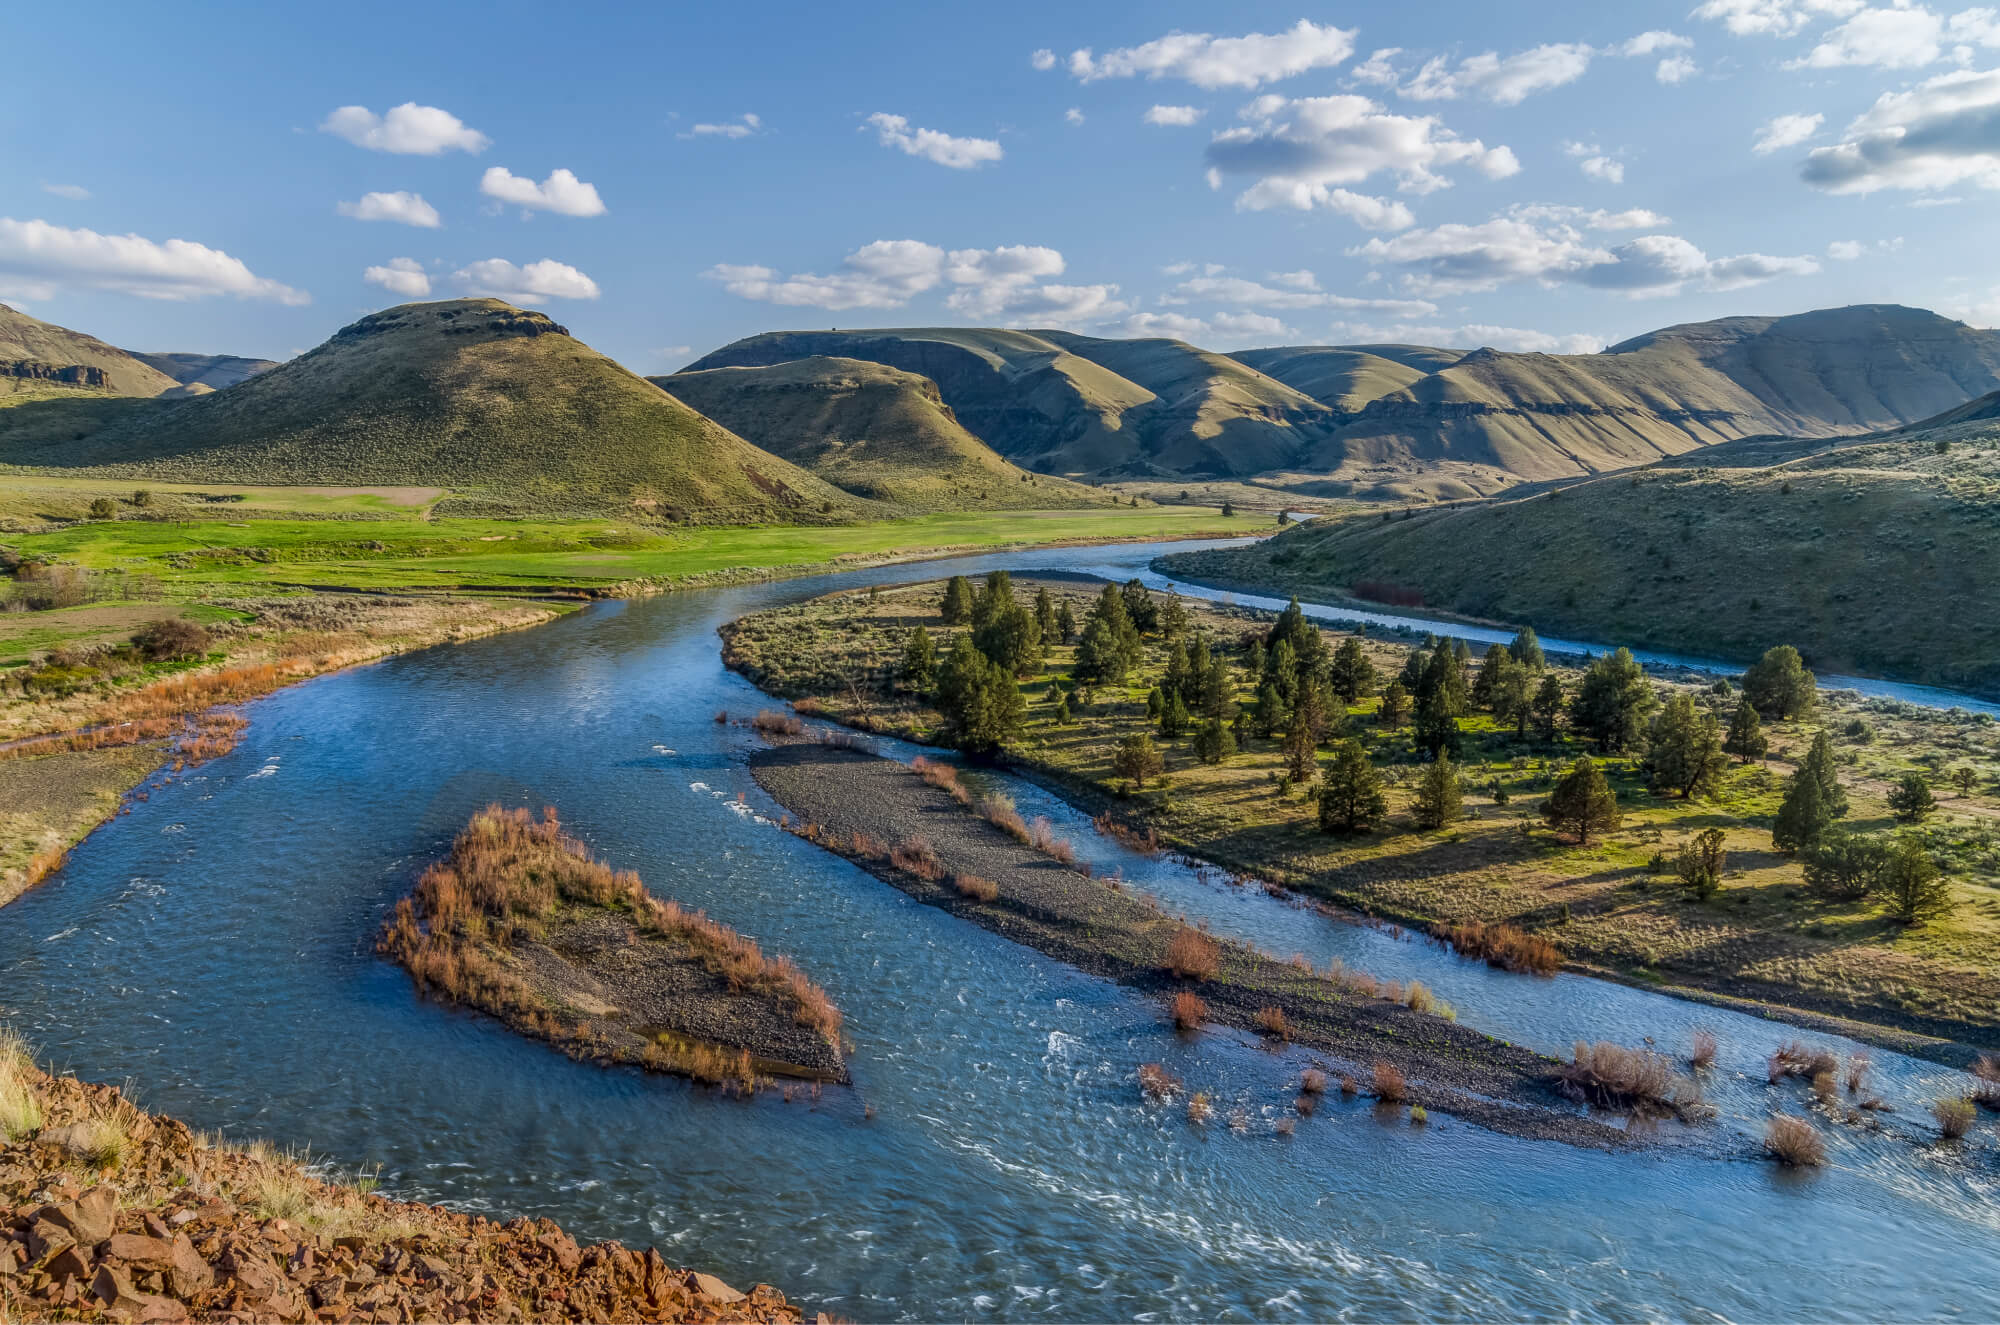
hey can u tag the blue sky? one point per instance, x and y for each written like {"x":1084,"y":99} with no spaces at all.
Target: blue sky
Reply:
{"x":664,"y":179}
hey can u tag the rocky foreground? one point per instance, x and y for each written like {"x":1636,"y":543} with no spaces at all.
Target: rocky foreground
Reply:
{"x":109,"y":1213}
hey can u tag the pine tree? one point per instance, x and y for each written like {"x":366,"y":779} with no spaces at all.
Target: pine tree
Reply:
{"x":1819,"y":762}
{"x":1273,"y":714}
{"x":982,"y":705}
{"x":1780,"y":686}
{"x":1283,"y":670}
{"x":1254,"y":657}
{"x":1110,"y":646}
{"x":1496,"y":662}
{"x":1045,"y":612}
{"x":956,"y":607}
{"x":1066,"y":623}
{"x":1351,"y":673}
{"x":1175,"y":679}
{"x":1527,"y":650}
{"x":1008,"y":635}
{"x":1141,"y":607}
{"x":1802,"y":817}
{"x":1138,"y":759}
{"x":1440,"y":704}
{"x":1701,"y":863}
{"x":919,"y":660}
{"x":1062,"y":711}
{"x":1173,"y":617}
{"x":1213,"y":743}
{"x":1746,"y":739}
{"x":1549,"y":704}
{"x":1439,"y":801}
{"x":1302,"y":738}
{"x":1215,"y":692}
{"x":1613,"y":702}
{"x":1350,"y":796}
{"x":1156,"y":703}
{"x":1911,"y":799}
{"x":1684,"y":754}
{"x":1395,"y":706}
{"x":1514,"y":697}
{"x":1412,"y":675}
{"x":1912,"y":885}
{"x":993,"y":598}
{"x":1174,"y":717}
{"x":1582,"y":801}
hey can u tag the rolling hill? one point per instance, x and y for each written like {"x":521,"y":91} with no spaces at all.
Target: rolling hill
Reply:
{"x":1875,"y":555}
{"x":472,"y":394}
{"x":1347,"y":377}
{"x":40,"y":356}
{"x":201,"y":373}
{"x":872,"y":430}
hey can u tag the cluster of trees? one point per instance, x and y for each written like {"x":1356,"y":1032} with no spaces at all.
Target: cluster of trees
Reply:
{"x":1196,"y":693}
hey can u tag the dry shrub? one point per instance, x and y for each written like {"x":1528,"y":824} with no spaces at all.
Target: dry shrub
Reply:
{"x":1987,"y":1093}
{"x":46,"y":862}
{"x":1391,"y":990}
{"x":1042,"y":837}
{"x":209,"y":736}
{"x":722,"y":717}
{"x":1314,"y":1082}
{"x":1858,"y":1064}
{"x":1954,"y":1116}
{"x":1347,"y":1087}
{"x":1198,"y":1107}
{"x":1283,"y":1127}
{"x":1146,"y":842}
{"x":809,"y":705}
{"x":1795,"y":1059}
{"x":20,"y":1108}
{"x":1390,"y":1087}
{"x":999,"y":811}
{"x":915,"y":856}
{"x":1189,"y":1012}
{"x":1794,"y":1142}
{"x":976,"y":888}
{"x":1156,"y":1082}
{"x":863,"y":845}
{"x":1703,"y":1054}
{"x":1826,"y":1089}
{"x":770,"y":722}
{"x":1616,"y":1077}
{"x":1504,"y":946}
{"x":1419,"y":998}
{"x":942,"y":776}
{"x":1271,"y":1021}
{"x":1192,"y":955}
{"x":1305,"y":1105}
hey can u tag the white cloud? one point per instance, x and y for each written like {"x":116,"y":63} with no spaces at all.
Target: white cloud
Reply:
{"x":1302,"y":153}
{"x":1844,"y":250}
{"x":1220,"y":331}
{"x":1589,"y":218}
{"x":932,"y":145}
{"x":1504,"y":82}
{"x":1173,"y":116}
{"x":562,"y":192}
{"x":1651,"y":43}
{"x":38,"y":259}
{"x":1675,"y":70}
{"x":74,"y":192}
{"x":1449,"y":259}
{"x":1044,"y":59}
{"x":1005,"y":284}
{"x":1772,"y":18}
{"x":1215,"y":62}
{"x":1786,"y":131}
{"x":408,"y":130}
{"x":403,"y":208}
{"x":884,"y":274}
{"x":403,"y":276}
{"x":1906,"y":37}
{"x":1603,"y":168}
{"x":1302,"y":279}
{"x":1073,"y":115}
{"x":1518,"y":340}
{"x":1943,"y":132}
{"x":727,"y":129}
{"x":1377,"y":69}
{"x":498,"y":278}
{"x":1237,"y":290}
{"x":1039,"y":305}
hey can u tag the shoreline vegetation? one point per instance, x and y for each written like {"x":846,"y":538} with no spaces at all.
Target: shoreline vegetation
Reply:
{"x":118,"y":1214}
{"x":1656,"y":865}
{"x":520,"y":922}
{"x":920,"y":831}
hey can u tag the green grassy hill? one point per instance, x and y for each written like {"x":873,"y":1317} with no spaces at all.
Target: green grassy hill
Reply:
{"x":1875,"y":556}
{"x":873,"y":430}
{"x":470,"y":394}
{"x":40,"y":360}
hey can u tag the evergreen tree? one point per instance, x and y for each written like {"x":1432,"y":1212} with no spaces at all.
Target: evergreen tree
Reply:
{"x":1819,"y":762}
{"x":1066,"y":623}
{"x":1045,"y":612}
{"x":996,"y":595}
{"x":1395,"y":706}
{"x":1582,"y":801}
{"x":1802,"y":817}
{"x":1216,"y":694}
{"x":1156,"y":703}
{"x":1351,"y":673}
{"x":1109,"y":647}
{"x":1911,"y":799}
{"x":1008,"y":634}
{"x":1746,"y":739}
{"x":1273,"y":714}
{"x":1198,"y":661}
{"x":956,"y":606}
{"x":1412,"y":675}
{"x":1684,"y":754}
{"x":1176,"y":679}
{"x":1138,"y":759}
{"x":1440,"y":704}
{"x":1283,"y":671}
{"x":1173,"y":617}
{"x":1350,"y":796}
{"x":1549,"y":704}
{"x":919,"y":660}
{"x":1779,"y":685}
{"x":1845,"y":866}
{"x":1496,"y":662}
{"x":1062,"y":717}
{"x":1302,"y":738}
{"x":1174,"y":717}
{"x":1701,"y":863}
{"x":1254,"y":656}
{"x":1439,"y":801}
{"x":982,"y":705}
{"x":1514,"y":697}
{"x":1613,"y":703}
{"x":1461,"y":653}
{"x":1527,"y":650}
{"x":1912,"y":885}
{"x":1141,"y":608}
{"x":1214,"y":743}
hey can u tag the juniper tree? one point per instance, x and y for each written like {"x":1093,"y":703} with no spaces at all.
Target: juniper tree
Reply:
{"x":1174,"y":616}
{"x":1527,"y":650}
{"x":1746,"y":739}
{"x":919,"y":660}
{"x":1395,"y":705}
{"x":994,"y":596}
{"x":981,"y":703}
{"x":1351,"y":673}
{"x":1513,"y":698}
{"x":1066,"y":623}
{"x":1700,"y":864}
{"x":1213,"y":743}
{"x":1911,"y":799}
{"x":1350,"y":794}
{"x":1303,"y":736}
{"x":1780,"y":686}
{"x":1684,"y":754}
{"x":1845,"y":866}
{"x":1613,"y":702}
{"x":1911,"y":883}
{"x":956,"y":606}
{"x":1008,"y":634}
{"x":1214,"y":692}
{"x":1819,"y":762}
{"x":1273,"y":714}
{"x":1550,"y":703}
{"x":1110,"y":646}
{"x":1174,"y":717}
{"x":1439,"y":800}
{"x":1496,"y":661}
{"x":1045,"y":612}
{"x":1141,"y":607}
{"x":1582,"y":801}
{"x":1137,"y":758}
{"x":1803,"y":816}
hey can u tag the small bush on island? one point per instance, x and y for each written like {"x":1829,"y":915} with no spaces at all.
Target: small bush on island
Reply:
{"x":1613,"y":1076}
{"x":1189,"y":1012}
{"x":172,"y":638}
{"x":1389,"y":1085}
{"x":1192,"y":955}
{"x":1794,"y":1142}
{"x":1702,"y":1056}
{"x":1954,"y":1117}
{"x":1503,"y":946}
{"x":1271,"y":1021}
{"x":1155,"y":1082}
{"x":976,"y":888}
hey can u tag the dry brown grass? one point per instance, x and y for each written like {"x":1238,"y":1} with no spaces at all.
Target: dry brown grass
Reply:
{"x":1613,"y":1076}
{"x":1305,"y":1105}
{"x":1155,"y":1082}
{"x":1145,"y":841}
{"x":770,"y":722}
{"x":1271,"y":1021}
{"x":1042,"y":837}
{"x":942,"y":776}
{"x":1986,"y":1068}
{"x":1503,"y":946}
{"x":1794,"y":1142}
{"x":1702,"y":1056}
{"x":1199,"y":1110}
{"x":916,"y":856}
{"x":1797,"y":1059}
{"x":1189,"y":1012}
{"x":976,"y":888}
{"x":1313,"y":1082}
{"x":1192,"y":955}
{"x":1000,"y":812}
{"x":1954,"y":1116}
{"x":1389,"y":1085}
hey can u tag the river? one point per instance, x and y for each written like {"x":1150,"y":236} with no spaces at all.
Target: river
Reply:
{"x":994,"y":1159}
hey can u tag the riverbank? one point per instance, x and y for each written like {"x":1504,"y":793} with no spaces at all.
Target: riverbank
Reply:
{"x":923,"y":840}
{"x":521,"y":923}
{"x":117,"y":1214}
{"x":1765,"y":941}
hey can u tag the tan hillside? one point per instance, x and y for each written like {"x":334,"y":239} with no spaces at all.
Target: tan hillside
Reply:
{"x":872,"y":430}
{"x":198,"y":373}
{"x":1343,"y":378}
{"x":36,"y":355}
{"x":472,"y":394}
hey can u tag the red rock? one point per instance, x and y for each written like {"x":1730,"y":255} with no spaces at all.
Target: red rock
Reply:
{"x":141,"y":1252}
{"x":46,"y":1237}
{"x":712,"y":1288}
{"x":69,"y":1263}
{"x":189,"y":1273}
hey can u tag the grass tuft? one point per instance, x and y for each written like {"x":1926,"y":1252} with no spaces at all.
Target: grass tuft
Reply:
{"x":1192,"y":955}
{"x":1954,"y":1116}
{"x":1189,"y":1012}
{"x":1271,"y":1021}
{"x":1390,"y":1087}
{"x":1794,"y":1142}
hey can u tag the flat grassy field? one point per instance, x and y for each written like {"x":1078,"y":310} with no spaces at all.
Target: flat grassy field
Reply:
{"x":40,"y":502}
{"x":1609,"y":906}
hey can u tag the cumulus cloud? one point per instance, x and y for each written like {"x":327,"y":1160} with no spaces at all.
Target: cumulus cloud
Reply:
{"x":1230,"y":331}
{"x":408,"y":130}
{"x":1504,"y":82}
{"x":745,"y":127}
{"x":931,"y":144}
{"x":1905,"y":37}
{"x":1173,"y":116}
{"x":38,"y":260}
{"x":1043,"y":59}
{"x":1675,"y":69}
{"x":1589,"y":218}
{"x":1844,"y":250}
{"x":1651,"y":43}
{"x":1773,"y":18}
{"x":1943,"y":132}
{"x":1784,"y":131}
{"x":1603,"y":168}
{"x":74,"y":192}
{"x":562,"y":192}
{"x":403,"y":276}
{"x":1242,"y":292}
{"x":1211,"y":62}
{"x":1456,"y":258}
{"x":1008,"y":283}
{"x":1073,"y":115}
{"x":402,"y":208}
{"x":1377,"y":69}
{"x":498,"y":278}
{"x":1473,"y":335}
{"x":1302,"y":153}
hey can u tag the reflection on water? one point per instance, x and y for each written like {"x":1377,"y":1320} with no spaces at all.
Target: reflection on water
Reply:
{"x":213,"y":948}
